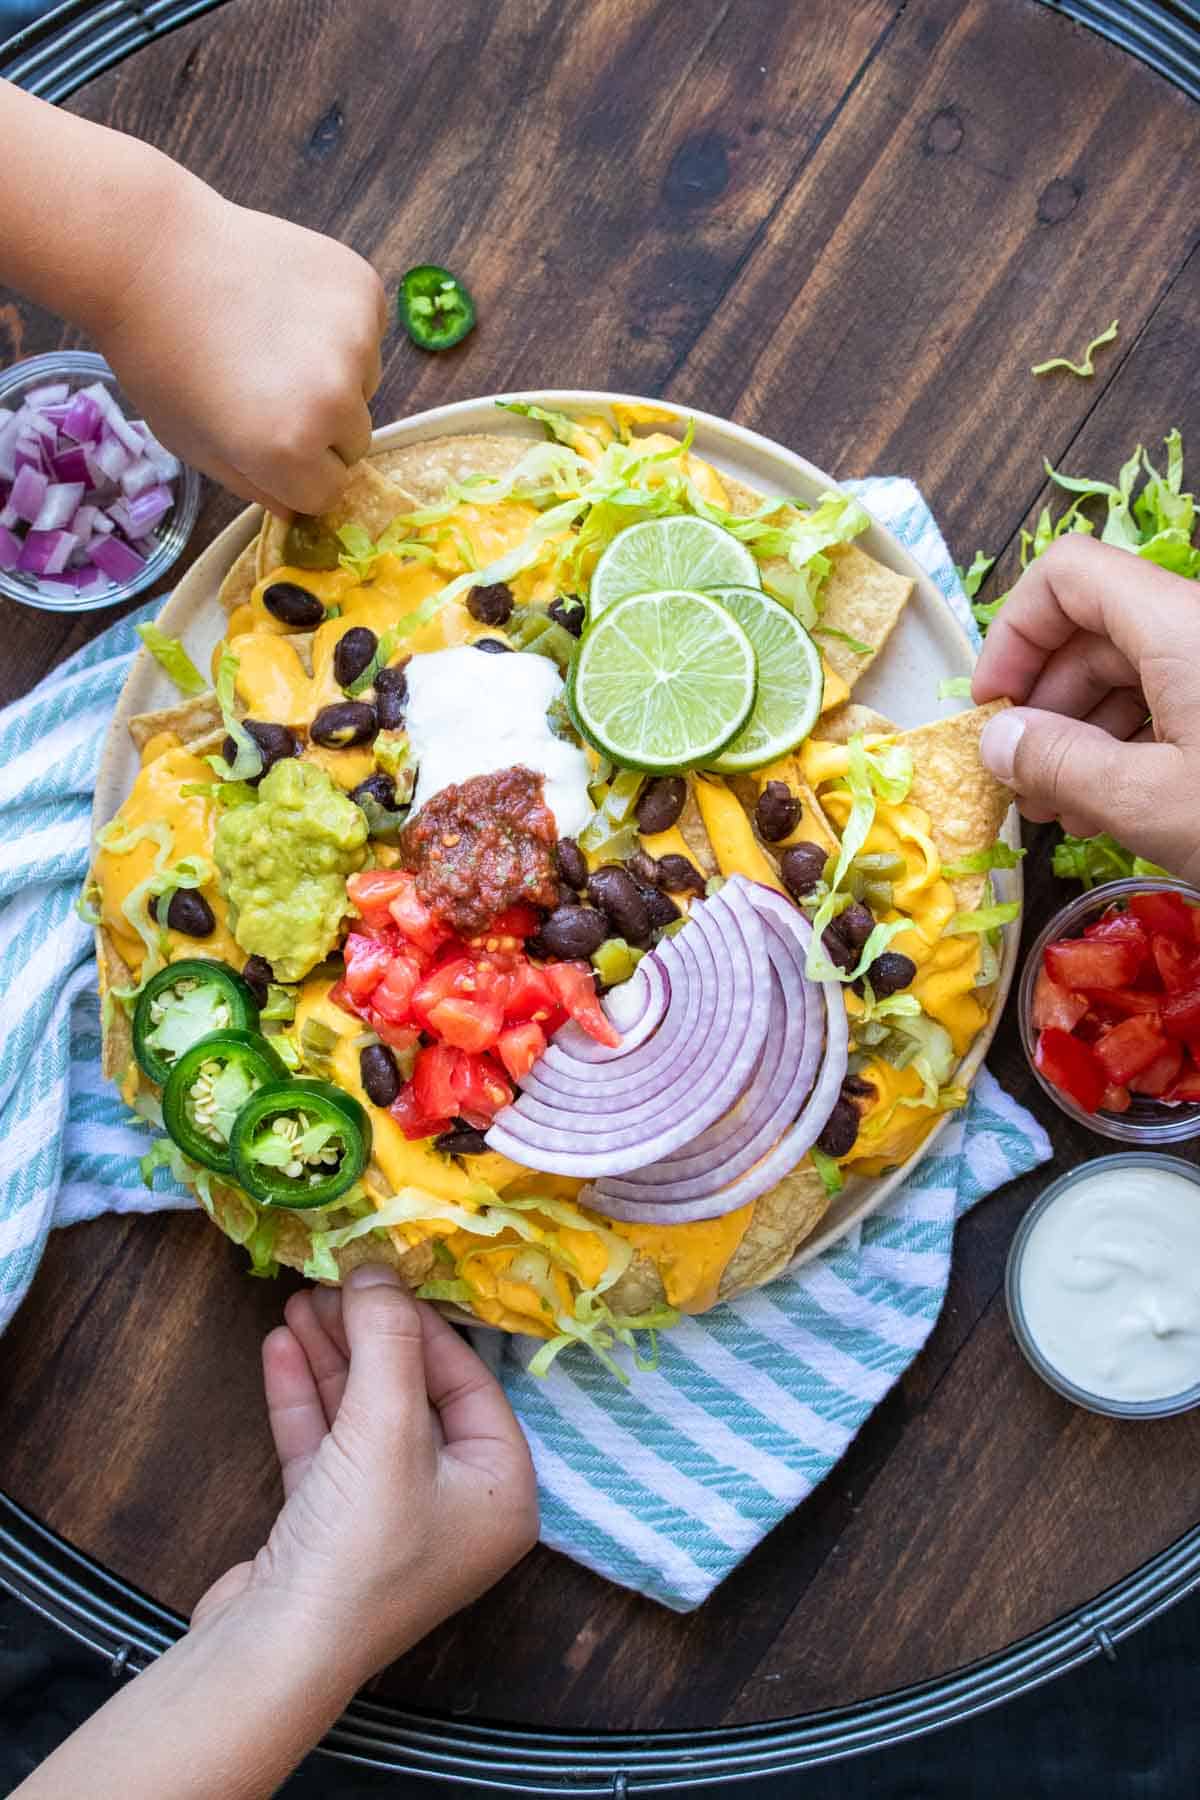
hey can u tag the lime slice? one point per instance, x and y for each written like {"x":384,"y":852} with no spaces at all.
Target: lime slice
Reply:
{"x":662,"y":681}
{"x":791,"y":681}
{"x":678,"y":552}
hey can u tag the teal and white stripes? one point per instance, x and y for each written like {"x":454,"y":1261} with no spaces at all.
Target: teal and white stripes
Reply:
{"x":663,"y":1486}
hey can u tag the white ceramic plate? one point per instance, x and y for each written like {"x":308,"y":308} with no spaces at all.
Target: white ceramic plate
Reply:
{"x":927,"y":644}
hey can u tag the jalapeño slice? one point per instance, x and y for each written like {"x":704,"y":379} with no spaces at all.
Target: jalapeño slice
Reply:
{"x":185,"y":1001}
{"x":435,"y":308}
{"x":300,"y":1143}
{"x":209,"y":1086}
{"x":310,"y":545}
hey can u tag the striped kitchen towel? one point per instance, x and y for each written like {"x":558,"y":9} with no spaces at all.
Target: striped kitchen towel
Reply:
{"x":664,"y":1485}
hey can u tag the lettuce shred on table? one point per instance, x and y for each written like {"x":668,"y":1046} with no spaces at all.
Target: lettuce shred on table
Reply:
{"x":173,"y":659}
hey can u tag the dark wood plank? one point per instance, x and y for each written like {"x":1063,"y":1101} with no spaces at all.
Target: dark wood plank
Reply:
{"x":853,"y":226}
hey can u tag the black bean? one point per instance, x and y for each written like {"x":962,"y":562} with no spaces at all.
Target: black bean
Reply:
{"x":352,"y":652}
{"x":344,"y":723}
{"x":190,"y":913}
{"x":492,"y":646}
{"x":571,"y":933}
{"x":275,"y":741}
{"x":257,"y":974}
{"x":840,"y":1131}
{"x":856,"y":1088}
{"x":661,"y":908}
{"x":379,"y":787}
{"x":679,"y":876}
{"x":572,"y":863}
{"x":802,"y":866}
{"x":567,"y":895}
{"x":890,"y":972}
{"x":566,"y":610}
{"x":837,"y":949}
{"x":391,"y":696}
{"x":777,"y":813}
{"x":614,"y":890}
{"x":380,"y":1076}
{"x":856,"y":924}
{"x":461,"y":1140}
{"x":646,"y":870}
{"x":660,"y":803}
{"x":292,"y":604}
{"x":491,"y":605}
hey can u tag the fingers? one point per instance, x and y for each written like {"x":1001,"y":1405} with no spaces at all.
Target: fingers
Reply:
{"x":1078,"y":677}
{"x":294,"y":1407}
{"x":469,"y":1400}
{"x":386,"y":1385}
{"x":353,"y":438}
{"x":329,"y":1363}
{"x":1122,"y":714}
{"x":1069,"y":770}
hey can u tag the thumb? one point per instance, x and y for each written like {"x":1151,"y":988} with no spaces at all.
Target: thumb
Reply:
{"x":386,"y":1382}
{"x":1065,"y":769}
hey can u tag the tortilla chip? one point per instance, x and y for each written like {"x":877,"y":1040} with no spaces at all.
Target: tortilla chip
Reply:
{"x":116,"y":1032}
{"x":293,"y":1244}
{"x":862,"y":598}
{"x":638,"y":1289}
{"x":426,"y":470}
{"x":238,"y":585}
{"x":368,"y":499}
{"x":966,"y":804}
{"x":847,"y":721}
{"x":782,"y":1220}
{"x":191,"y":721}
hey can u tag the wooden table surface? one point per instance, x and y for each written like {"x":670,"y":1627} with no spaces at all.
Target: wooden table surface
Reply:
{"x":852,"y":225}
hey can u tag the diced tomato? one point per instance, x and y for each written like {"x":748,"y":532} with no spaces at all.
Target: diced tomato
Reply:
{"x":1094,"y":1023}
{"x":519,"y":1047}
{"x":1175,"y":962}
{"x":1091,"y":963}
{"x":1187,"y":1084}
{"x":1116,"y":1099}
{"x":519,"y":921}
{"x":373,"y":890}
{"x":455,"y":976}
{"x":432,"y":1082}
{"x":341,"y":996}
{"x":1161,"y":1074}
{"x":1121,"y":1002}
{"x":1164,"y":912}
{"x":397,"y":1037}
{"x":420,"y":926}
{"x":478,"y":1085}
{"x":409,"y":1117}
{"x":1128,"y":1048}
{"x":575,"y":986}
{"x":1072,"y":1066}
{"x":529,"y":995}
{"x":367,"y":959}
{"x":1122,"y":926}
{"x":466,"y":1024}
{"x":1181,"y":1014}
{"x":1054,"y":1005}
{"x":393,"y":995}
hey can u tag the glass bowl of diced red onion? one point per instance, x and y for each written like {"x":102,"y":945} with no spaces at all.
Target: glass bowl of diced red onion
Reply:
{"x":93,"y":509}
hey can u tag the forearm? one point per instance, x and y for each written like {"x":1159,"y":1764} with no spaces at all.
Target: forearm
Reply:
{"x":229,"y":1710}
{"x":81,"y":208}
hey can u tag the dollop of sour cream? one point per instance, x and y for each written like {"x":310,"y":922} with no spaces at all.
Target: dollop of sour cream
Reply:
{"x":469,"y":713}
{"x":1109,"y":1283}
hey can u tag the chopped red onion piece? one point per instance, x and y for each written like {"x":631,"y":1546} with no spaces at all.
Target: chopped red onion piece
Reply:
{"x":84,"y":522}
{"x":28,"y":492}
{"x":27,"y":453}
{"x":111,"y":458}
{"x":102,"y":522}
{"x":147,"y":510}
{"x":83,"y":418}
{"x":166,"y":465}
{"x":119,"y":562}
{"x":10,"y":548}
{"x":46,"y":552}
{"x":114,"y":419}
{"x":34,"y":422}
{"x":10,"y":431}
{"x":59,"y":506}
{"x":138,"y":477}
{"x":52,"y":394}
{"x":71,"y":465}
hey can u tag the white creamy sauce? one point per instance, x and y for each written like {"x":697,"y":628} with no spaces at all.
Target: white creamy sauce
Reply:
{"x":1110,"y":1283}
{"x":469,"y":713}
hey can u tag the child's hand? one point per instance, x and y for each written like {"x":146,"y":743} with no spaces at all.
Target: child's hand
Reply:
{"x":252,"y":346}
{"x":1101,"y":652}
{"x":408,"y":1484}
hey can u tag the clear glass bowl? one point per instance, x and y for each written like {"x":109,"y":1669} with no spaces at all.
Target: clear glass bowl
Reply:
{"x":1147,"y":1122}
{"x":1166,"y":1405}
{"x":81,"y":368}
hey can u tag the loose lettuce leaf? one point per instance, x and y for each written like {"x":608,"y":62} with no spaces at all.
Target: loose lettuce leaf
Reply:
{"x":247,"y":764}
{"x":981,"y":862}
{"x":984,"y":919}
{"x":171,"y":656}
{"x":828,"y":1170}
{"x":954,"y":687}
{"x":973,"y":578}
{"x":1094,"y":860}
{"x":1086,"y":367}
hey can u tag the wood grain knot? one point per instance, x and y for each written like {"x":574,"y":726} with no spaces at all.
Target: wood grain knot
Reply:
{"x":699,"y":170}
{"x":326,"y":134}
{"x":1058,"y":200}
{"x":944,"y":133}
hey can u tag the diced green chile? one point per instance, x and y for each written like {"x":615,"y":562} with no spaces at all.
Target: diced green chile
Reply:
{"x":183,"y":1003}
{"x":207,"y":1089}
{"x":299,"y":1144}
{"x":308,"y":545}
{"x":434,"y":307}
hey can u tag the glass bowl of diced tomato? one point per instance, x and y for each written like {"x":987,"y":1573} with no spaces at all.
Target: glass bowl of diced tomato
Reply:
{"x":1110,"y":1010}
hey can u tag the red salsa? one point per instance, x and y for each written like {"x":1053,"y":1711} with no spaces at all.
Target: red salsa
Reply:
{"x":479,"y":847}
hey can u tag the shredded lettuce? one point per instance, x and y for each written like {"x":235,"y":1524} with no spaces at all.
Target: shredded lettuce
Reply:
{"x":1094,"y":860}
{"x":360,"y":552}
{"x":320,"y":1264}
{"x":886,"y":771}
{"x":87,"y":906}
{"x":986,"y":918}
{"x":954,"y":687}
{"x":981,"y":862}
{"x":1086,"y":367}
{"x":973,"y":578}
{"x":886,"y":1006}
{"x":259,"y":1244}
{"x":225,"y":793}
{"x":921,"y":1043}
{"x":843,"y":637}
{"x":454,"y":1290}
{"x":248,"y":759}
{"x":171,"y":656}
{"x":828,"y":1170}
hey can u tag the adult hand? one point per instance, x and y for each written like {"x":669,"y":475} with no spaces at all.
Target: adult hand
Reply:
{"x":252,"y":347}
{"x":1101,"y":651}
{"x":408,"y":1484}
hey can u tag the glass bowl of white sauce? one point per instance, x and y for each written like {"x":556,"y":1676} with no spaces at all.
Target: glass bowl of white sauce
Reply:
{"x":1103,"y":1285}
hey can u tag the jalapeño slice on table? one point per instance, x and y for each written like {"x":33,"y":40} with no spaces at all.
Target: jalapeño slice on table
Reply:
{"x":184,"y":1002}
{"x":209,"y":1086}
{"x":435,"y":308}
{"x":300,"y":1143}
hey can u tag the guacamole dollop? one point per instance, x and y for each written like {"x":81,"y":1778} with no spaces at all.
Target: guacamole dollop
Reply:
{"x":283,"y":863}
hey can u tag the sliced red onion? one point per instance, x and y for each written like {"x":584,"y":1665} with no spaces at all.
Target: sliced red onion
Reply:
{"x":60,"y":503}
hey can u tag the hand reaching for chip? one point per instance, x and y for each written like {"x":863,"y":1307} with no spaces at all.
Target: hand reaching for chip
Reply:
{"x":1101,"y":652}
